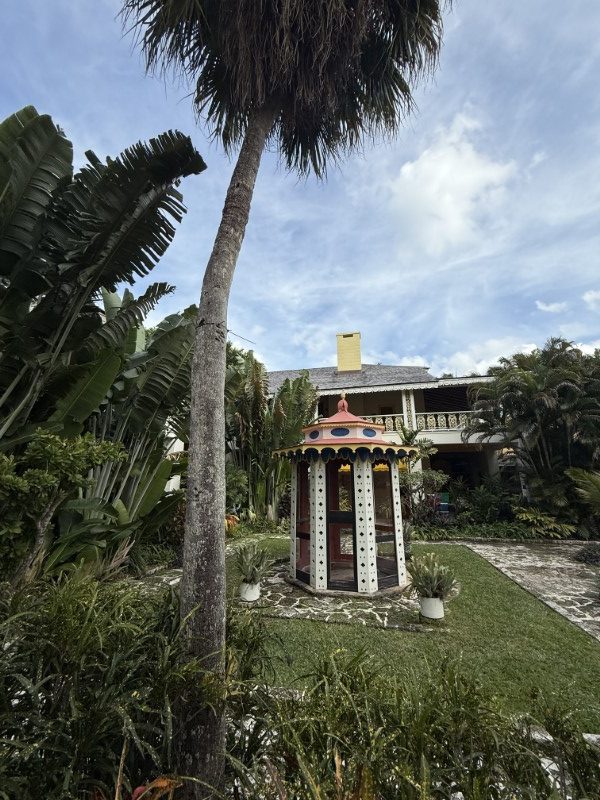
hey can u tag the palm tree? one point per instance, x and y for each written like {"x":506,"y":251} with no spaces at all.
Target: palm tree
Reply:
{"x":315,"y":78}
{"x":546,"y":406}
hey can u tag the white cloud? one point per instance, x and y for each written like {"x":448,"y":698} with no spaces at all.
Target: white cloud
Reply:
{"x":592,"y":299}
{"x":478,"y":357}
{"x":589,"y":348}
{"x":550,"y":308}
{"x":445,"y":194}
{"x":538,"y":158}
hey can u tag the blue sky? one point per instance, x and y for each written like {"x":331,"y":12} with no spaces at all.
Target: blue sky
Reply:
{"x":476,"y":233}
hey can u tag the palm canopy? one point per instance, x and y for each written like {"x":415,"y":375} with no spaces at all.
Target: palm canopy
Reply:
{"x":331,"y":72}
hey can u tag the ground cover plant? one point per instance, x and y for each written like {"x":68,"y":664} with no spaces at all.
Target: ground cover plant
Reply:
{"x":90,"y":675}
{"x":422,"y":734}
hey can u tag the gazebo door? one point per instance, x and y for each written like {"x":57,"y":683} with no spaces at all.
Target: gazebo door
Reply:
{"x":341,"y":532}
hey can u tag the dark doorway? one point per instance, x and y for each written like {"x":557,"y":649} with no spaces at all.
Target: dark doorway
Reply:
{"x":341,"y":532}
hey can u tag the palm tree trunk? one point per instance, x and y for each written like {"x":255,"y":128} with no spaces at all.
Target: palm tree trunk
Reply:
{"x":203,"y":581}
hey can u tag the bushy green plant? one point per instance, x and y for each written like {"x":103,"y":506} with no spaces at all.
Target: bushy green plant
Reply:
{"x":428,"y":578}
{"x":542,"y":525}
{"x":590,"y":554}
{"x":236,"y":488}
{"x":252,"y":562}
{"x":353,"y":733}
{"x":90,"y":673}
{"x":494,"y":530}
{"x":34,"y":485}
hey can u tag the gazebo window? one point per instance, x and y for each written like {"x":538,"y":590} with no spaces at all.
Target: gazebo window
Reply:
{"x":385,"y":538}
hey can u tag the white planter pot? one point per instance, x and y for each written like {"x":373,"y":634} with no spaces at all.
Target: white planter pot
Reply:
{"x":431,"y":607}
{"x":249,"y":592}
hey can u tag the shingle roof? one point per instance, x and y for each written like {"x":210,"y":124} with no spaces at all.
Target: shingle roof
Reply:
{"x":329,"y":379}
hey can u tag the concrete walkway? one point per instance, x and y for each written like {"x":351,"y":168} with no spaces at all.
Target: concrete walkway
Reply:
{"x":549,"y":571}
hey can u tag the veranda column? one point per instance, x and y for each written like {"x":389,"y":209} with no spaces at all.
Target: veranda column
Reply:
{"x":366,"y":549}
{"x":398,"y":526}
{"x":413,"y":411}
{"x":293,"y":517}
{"x":406,"y":412}
{"x":318,"y":526}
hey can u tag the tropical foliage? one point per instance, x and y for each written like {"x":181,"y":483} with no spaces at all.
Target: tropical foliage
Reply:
{"x":257,"y":424}
{"x":34,"y":486}
{"x":90,"y":673}
{"x":74,"y":356}
{"x":64,"y":241}
{"x":545,"y":406}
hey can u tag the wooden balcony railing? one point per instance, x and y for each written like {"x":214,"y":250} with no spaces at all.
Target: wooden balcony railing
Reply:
{"x":426,"y":421}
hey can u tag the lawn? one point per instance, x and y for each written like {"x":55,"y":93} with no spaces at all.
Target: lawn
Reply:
{"x":511,"y":641}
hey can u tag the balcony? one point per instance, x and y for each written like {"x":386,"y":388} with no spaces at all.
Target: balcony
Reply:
{"x":427,"y":421}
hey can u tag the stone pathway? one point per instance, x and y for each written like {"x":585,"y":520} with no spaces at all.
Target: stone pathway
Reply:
{"x":549,"y":571}
{"x":282,"y":599}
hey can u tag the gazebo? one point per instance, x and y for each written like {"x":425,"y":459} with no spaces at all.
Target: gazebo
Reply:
{"x":346,"y":515}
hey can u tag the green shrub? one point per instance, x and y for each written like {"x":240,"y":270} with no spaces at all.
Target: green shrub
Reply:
{"x":590,"y":554}
{"x":88,"y":669}
{"x":35,"y":487}
{"x":542,"y":525}
{"x":496,"y":530}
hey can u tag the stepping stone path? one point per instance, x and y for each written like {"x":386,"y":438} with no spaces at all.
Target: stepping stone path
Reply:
{"x":549,"y":571}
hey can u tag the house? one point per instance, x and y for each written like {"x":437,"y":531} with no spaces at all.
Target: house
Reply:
{"x":404,"y":395}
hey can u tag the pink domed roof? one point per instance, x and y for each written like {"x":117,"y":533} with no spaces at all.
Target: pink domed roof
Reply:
{"x":345,"y":428}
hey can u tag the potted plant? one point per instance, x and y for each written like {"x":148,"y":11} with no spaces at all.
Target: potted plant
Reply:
{"x":252,"y":562}
{"x":432,"y":583}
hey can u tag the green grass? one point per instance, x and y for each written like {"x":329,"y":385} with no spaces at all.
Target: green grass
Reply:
{"x":512,"y":642}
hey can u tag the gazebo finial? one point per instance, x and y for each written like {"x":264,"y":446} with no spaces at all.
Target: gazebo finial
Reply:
{"x":342,"y":403}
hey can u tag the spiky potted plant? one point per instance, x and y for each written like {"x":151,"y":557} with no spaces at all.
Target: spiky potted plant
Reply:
{"x":253,"y":563}
{"x":433,"y":584}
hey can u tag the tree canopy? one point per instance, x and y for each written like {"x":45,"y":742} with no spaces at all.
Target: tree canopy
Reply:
{"x":331,"y":73}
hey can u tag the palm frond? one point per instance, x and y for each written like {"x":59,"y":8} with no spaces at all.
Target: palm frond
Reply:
{"x":334,"y":73}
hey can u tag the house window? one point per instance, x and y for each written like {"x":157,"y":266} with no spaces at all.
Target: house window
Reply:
{"x":383,"y":410}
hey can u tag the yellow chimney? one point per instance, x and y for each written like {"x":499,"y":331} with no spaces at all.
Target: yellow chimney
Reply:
{"x":348,"y":352}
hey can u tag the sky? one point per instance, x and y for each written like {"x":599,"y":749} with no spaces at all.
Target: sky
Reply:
{"x":473,"y":235}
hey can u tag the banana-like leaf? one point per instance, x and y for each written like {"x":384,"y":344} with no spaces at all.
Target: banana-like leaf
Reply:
{"x":162,"y":512}
{"x":40,"y":159}
{"x":123,"y":211}
{"x":90,"y":390}
{"x":151,"y":490}
{"x":166,"y":379}
{"x":115,"y":331}
{"x":122,"y":512}
{"x":112,"y":303}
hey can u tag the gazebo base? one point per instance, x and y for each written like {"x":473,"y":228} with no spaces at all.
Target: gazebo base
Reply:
{"x":343,"y":593}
